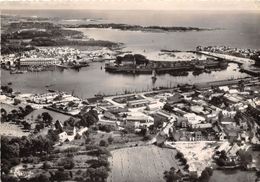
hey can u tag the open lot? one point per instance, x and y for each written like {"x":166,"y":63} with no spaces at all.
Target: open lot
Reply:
{"x":198,"y":154}
{"x":146,"y":164}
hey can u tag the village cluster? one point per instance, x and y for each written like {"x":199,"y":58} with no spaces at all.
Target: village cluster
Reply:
{"x":44,"y":58}
{"x":206,"y":125}
{"x":246,"y":53}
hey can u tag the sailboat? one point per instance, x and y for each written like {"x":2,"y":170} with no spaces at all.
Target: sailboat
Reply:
{"x":154,"y":75}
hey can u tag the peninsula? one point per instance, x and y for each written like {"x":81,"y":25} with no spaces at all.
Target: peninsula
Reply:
{"x":128,"y":27}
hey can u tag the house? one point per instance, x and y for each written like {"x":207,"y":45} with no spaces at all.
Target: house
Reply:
{"x":202,"y":126}
{"x":198,"y":136}
{"x":228,"y":114}
{"x":109,"y":115}
{"x":82,"y":130}
{"x":38,"y":61}
{"x":67,"y":135}
{"x":165,"y":114}
{"x":233,"y":150}
{"x":177,"y":97}
{"x":137,"y":120}
{"x":222,"y":136}
{"x":181,"y":122}
{"x":197,"y":109}
{"x":212,"y":117}
{"x":154,"y":106}
{"x":193,"y":118}
{"x":138,"y":103}
{"x":224,"y":88}
{"x":244,"y":136}
{"x":255,"y":140}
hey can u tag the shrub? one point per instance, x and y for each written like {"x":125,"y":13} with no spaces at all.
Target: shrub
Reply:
{"x":110,"y":140}
{"x":103,"y":143}
{"x":46,"y":165}
{"x":67,"y":163}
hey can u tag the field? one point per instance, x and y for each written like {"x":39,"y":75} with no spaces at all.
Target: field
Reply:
{"x":55,"y":115}
{"x":146,"y":164}
{"x":10,"y":129}
{"x":232,"y":176}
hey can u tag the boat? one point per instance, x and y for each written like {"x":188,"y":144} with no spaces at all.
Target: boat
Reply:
{"x":9,"y":83}
{"x":154,"y":78}
{"x":199,"y":67}
{"x":207,"y":71}
{"x":78,"y":66}
{"x":49,"y":85}
{"x":52,"y":91}
{"x":17,"y":72}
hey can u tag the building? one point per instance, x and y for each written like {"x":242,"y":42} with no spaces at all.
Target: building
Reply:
{"x":193,"y":118}
{"x":67,"y":135}
{"x":138,"y":103}
{"x":137,"y":120}
{"x":37,"y":61}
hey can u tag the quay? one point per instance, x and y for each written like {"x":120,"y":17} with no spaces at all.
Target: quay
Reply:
{"x":247,"y":81}
{"x":246,"y":64}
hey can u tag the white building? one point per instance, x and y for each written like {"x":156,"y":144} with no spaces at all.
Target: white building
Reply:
{"x":65,"y":136}
{"x":193,"y":118}
{"x":38,"y":61}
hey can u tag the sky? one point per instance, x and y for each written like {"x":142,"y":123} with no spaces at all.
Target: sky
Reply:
{"x":133,"y":4}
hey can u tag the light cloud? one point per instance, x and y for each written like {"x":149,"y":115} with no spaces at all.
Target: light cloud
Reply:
{"x":133,"y":4}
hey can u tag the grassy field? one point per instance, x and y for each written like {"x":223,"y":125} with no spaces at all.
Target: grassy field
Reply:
{"x":10,"y":129}
{"x":146,"y":164}
{"x":233,"y":176}
{"x":55,"y":115}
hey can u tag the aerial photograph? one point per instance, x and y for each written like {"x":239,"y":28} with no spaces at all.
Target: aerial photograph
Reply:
{"x":130,"y":90}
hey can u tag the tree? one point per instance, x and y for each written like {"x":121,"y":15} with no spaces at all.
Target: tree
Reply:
{"x":3,"y":115}
{"x":206,"y":174}
{"x":96,"y":174}
{"x":179,"y":155}
{"x":103,"y":143}
{"x":47,"y":118}
{"x":238,"y":117}
{"x":28,"y":109}
{"x":26,"y":125}
{"x":60,"y":175}
{"x":16,"y":101}
{"x":71,"y":104}
{"x":147,"y":137}
{"x":46,"y":165}
{"x":7,"y":178}
{"x":89,"y":118}
{"x":245,"y":158}
{"x":172,"y":175}
{"x":3,"y":111}
{"x":52,"y":135}
{"x":186,"y":167}
{"x":67,"y":163}
{"x":40,"y":178}
{"x":110,"y":139}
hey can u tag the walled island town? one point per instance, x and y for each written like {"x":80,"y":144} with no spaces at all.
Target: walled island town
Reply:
{"x":81,"y":101}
